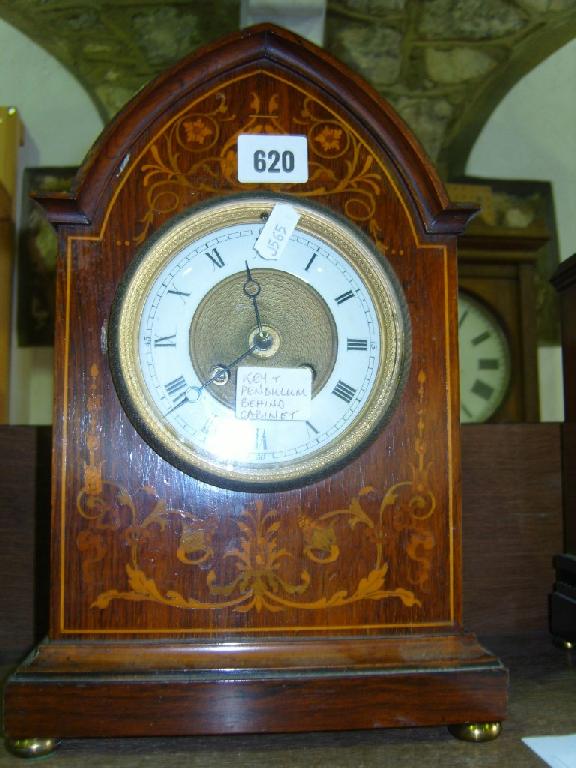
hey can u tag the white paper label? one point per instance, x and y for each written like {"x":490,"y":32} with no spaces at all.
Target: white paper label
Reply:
{"x":273,"y":394}
{"x":277,"y":231}
{"x":557,"y":751}
{"x":272,"y":159}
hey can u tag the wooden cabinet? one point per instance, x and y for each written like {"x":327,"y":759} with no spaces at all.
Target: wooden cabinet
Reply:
{"x":563,"y":598}
{"x":497,"y":267}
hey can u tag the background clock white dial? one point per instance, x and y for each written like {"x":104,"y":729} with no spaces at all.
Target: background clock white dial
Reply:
{"x":485,"y":364}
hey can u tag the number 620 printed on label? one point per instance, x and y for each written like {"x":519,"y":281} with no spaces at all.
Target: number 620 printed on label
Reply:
{"x":272,"y":159}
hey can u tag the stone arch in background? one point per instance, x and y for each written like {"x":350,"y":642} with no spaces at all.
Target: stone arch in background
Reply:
{"x":443,"y":64}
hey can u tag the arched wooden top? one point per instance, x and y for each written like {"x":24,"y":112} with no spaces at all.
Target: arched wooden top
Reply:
{"x":261,"y":47}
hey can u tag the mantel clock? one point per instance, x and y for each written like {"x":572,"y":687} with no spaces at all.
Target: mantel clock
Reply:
{"x":256,"y":502}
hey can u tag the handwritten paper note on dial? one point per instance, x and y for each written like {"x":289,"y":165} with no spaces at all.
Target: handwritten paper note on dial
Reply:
{"x":273,"y":394}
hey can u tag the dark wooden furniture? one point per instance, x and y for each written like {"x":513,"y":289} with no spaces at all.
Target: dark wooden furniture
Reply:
{"x":24,"y":538}
{"x":182,"y":608}
{"x":497,"y":266}
{"x":563,"y":598}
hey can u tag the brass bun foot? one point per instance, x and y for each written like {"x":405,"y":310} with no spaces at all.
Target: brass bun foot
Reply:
{"x":477,"y":732}
{"x":31,"y":747}
{"x":565,"y":645}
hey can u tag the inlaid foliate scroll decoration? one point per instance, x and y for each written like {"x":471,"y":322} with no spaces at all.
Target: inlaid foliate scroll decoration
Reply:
{"x":261,"y":575}
{"x":196,"y":155}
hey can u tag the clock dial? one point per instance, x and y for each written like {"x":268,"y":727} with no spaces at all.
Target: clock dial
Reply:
{"x":484,"y":360}
{"x":252,"y":372}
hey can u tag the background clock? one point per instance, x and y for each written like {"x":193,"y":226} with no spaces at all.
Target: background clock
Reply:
{"x":499,"y":270}
{"x":485,"y":361}
{"x":504,"y":258}
{"x":251,"y":371}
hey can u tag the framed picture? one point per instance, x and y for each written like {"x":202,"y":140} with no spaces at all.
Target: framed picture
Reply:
{"x":11,"y":134}
{"x":37,"y":258}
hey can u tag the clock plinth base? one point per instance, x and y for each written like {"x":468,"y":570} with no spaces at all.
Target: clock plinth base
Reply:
{"x":101,"y":689}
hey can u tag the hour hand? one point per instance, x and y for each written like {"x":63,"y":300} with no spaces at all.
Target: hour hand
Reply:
{"x":220,"y":375}
{"x":252,"y":291}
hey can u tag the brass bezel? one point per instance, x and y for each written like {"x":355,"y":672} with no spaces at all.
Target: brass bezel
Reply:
{"x":374,"y":271}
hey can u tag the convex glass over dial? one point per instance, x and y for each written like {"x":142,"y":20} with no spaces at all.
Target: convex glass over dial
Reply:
{"x":252,"y":372}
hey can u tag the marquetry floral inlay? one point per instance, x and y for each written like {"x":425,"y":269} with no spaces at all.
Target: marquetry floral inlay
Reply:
{"x":261,"y":568}
{"x":196,"y":156}
{"x":197,"y":131}
{"x":330,"y":139}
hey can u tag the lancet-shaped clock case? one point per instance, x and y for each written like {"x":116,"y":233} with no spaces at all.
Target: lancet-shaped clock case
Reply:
{"x":184,"y":606}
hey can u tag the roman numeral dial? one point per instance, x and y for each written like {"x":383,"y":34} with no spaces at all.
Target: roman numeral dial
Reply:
{"x":485,"y":363}
{"x":215,"y":258}
{"x":358,"y":345}
{"x":257,"y":372}
{"x":346,"y":296}
{"x":344,"y":391}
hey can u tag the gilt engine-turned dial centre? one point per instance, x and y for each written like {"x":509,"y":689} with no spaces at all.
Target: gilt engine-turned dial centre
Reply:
{"x":253,"y":372}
